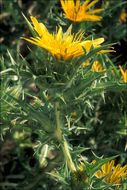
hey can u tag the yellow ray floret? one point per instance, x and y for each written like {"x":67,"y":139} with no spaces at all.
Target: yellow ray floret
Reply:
{"x":97,"y":67}
{"x":63,"y":45}
{"x":77,"y":11}
{"x":113,"y":174}
{"x":124,"y":74}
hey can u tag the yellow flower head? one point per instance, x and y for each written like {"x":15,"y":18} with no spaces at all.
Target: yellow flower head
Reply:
{"x":112,"y":173}
{"x":77,"y":11}
{"x":123,"y":16}
{"x":124,"y":74}
{"x":63,"y":45}
{"x":97,"y":67}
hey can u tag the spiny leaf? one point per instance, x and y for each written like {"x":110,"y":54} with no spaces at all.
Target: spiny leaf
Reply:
{"x":29,"y":26}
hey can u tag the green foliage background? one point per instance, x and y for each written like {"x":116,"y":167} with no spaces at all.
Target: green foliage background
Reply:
{"x":99,"y":125}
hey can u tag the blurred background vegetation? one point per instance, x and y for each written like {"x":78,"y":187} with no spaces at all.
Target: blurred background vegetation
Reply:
{"x":105,"y":125}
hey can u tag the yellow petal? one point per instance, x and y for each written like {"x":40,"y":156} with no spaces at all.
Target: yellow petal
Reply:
{"x":92,"y":3}
{"x":39,"y":27}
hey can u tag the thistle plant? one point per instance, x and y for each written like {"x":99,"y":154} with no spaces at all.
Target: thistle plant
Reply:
{"x":67,"y":77}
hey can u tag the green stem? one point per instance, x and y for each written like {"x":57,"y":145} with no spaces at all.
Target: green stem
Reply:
{"x":67,"y":156}
{"x":63,"y":142}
